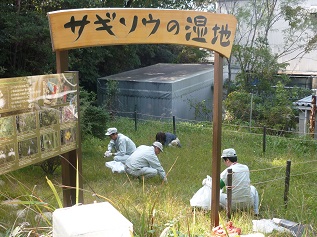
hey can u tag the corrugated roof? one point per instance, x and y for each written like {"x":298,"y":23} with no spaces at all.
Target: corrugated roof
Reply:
{"x":162,"y":72}
{"x":305,"y":102}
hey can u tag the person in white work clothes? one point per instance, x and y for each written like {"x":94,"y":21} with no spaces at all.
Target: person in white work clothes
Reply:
{"x":244,"y":195}
{"x":144,"y":162}
{"x":122,"y":145}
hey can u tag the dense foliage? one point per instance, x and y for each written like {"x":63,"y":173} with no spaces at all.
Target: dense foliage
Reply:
{"x":260,"y":80}
{"x":92,"y":118}
{"x":26,"y":50}
{"x":26,"y":45}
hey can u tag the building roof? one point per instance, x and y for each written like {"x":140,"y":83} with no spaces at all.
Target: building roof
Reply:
{"x":162,"y":72}
{"x":304,"y":103}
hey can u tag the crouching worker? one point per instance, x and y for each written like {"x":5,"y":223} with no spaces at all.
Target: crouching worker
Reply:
{"x":168,"y":139}
{"x":144,"y":162}
{"x":244,"y":195}
{"x":121,"y":144}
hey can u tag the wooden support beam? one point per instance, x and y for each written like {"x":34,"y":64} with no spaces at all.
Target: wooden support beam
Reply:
{"x":216,"y":142}
{"x":73,"y":158}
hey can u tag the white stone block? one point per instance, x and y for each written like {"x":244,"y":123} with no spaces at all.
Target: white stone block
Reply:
{"x":91,"y":220}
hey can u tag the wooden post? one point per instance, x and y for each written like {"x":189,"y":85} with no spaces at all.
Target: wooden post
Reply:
{"x":216,"y":142}
{"x":174,"y":125}
{"x":229,"y":194}
{"x":69,"y":163}
{"x":264,"y":139}
{"x":61,"y":61}
{"x":135,"y":119}
{"x":251,"y":107}
{"x":287,"y":179}
{"x":312,"y":120}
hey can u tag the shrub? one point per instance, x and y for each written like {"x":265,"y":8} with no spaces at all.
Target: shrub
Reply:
{"x":238,"y":105}
{"x":93,"y":118}
{"x":93,"y":121}
{"x":50,"y":165}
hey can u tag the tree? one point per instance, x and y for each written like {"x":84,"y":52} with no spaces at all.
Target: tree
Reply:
{"x":26,"y":45}
{"x":25,"y":42}
{"x":200,"y":5}
{"x":257,"y":23}
{"x":280,"y":114}
{"x":238,"y":106}
{"x":274,"y":110}
{"x":312,"y":43}
{"x":260,"y":62}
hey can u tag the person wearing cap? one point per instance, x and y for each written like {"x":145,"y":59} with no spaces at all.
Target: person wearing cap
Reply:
{"x":244,"y":195}
{"x":144,"y":162}
{"x":121,"y":144}
{"x":168,"y":139}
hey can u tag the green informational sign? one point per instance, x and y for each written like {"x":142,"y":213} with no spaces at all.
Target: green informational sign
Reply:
{"x":38,"y":119}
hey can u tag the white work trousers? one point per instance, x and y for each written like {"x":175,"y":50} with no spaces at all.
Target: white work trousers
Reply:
{"x":121,"y":158}
{"x":242,"y":205}
{"x":147,"y":172}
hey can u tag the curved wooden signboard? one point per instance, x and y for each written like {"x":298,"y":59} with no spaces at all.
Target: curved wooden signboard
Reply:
{"x":80,"y":28}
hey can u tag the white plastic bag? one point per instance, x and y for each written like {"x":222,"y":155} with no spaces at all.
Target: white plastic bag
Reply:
{"x":202,"y":198}
{"x":207,"y":181}
{"x":267,"y":226}
{"x":115,"y":166}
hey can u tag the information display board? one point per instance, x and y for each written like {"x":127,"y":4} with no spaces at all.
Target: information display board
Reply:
{"x":38,"y":118}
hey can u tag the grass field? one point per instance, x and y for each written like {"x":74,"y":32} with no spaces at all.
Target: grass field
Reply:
{"x":152,"y":206}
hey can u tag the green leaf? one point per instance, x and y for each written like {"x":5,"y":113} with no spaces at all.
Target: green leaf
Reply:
{"x":55,"y":192}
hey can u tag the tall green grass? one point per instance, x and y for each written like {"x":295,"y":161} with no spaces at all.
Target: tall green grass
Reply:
{"x":152,"y":206}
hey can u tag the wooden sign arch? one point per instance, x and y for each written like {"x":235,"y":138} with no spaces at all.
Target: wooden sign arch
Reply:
{"x":116,"y":26}
{"x":78,"y":28}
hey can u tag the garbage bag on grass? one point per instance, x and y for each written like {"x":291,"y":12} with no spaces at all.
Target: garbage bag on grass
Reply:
{"x":202,"y":198}
{"x":115,"y":166}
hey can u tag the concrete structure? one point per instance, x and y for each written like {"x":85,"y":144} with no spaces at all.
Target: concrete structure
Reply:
{"x":162,"y":91}
{"x":305,"y":109}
